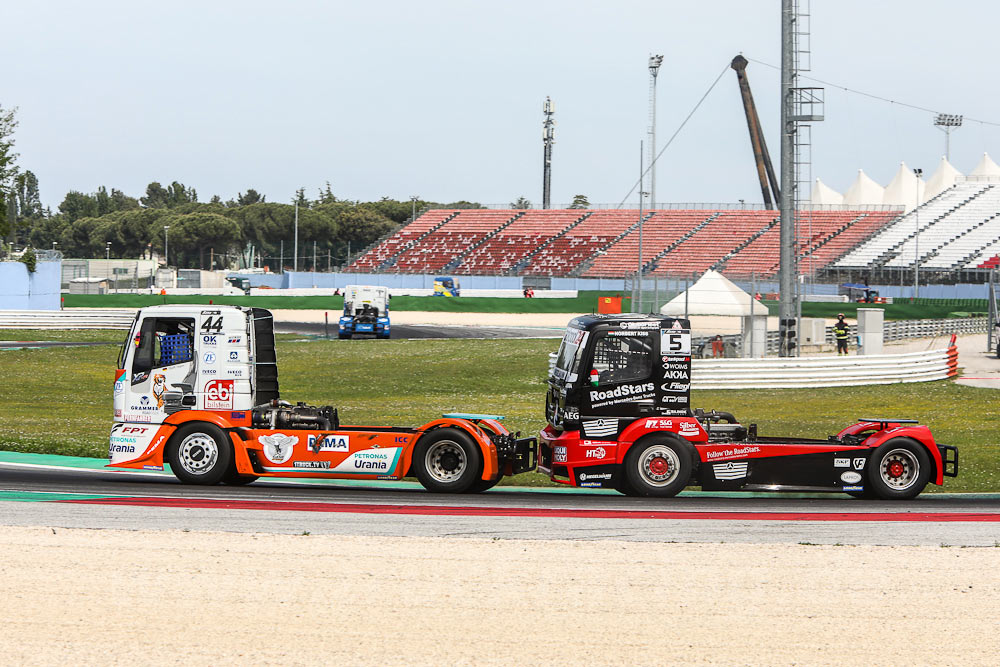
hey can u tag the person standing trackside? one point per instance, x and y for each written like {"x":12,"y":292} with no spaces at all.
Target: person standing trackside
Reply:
{"x":841,"y":332}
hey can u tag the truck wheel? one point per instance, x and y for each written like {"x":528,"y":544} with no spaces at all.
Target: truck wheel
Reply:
{"x":344,"y":336}
{"x":233,"y":478}
{"x":481,"y":485}
{"x":447,"y":461}
{"x":658,"y":466}
{"x":199,"y":454}
{"x":898,"y":470}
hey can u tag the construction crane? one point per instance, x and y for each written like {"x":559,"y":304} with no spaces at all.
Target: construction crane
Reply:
{"x":765,"y":170}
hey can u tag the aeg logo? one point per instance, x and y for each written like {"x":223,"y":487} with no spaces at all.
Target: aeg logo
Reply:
{"x":219,"y":395}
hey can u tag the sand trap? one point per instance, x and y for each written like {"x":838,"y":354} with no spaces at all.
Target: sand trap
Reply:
{"x":110,"y":597}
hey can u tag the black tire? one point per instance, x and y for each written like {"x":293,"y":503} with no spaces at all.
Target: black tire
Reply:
{"x":342,"y":336}
{"x":481,"y":485}
{"x":658,"y":466}
{"x":446,"y":460}
{"x":233,"y":478}
{"x":898,"y":470}
{"x":199,"y":453}
{"x":622,"y":486}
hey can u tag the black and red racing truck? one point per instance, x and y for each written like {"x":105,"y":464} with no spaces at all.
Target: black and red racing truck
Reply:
{"x":619,"y":416}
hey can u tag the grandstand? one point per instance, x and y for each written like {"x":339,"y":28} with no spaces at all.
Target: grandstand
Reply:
{"x":872,"y":236}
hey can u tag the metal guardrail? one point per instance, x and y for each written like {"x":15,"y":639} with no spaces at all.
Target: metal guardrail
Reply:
{"x":829,"y":371}
{"x":76,"y":318}
{"x":804,"y":372}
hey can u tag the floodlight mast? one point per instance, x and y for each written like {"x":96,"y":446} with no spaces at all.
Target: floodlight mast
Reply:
{"x":654,"y":68}
{"x":548,"y":138}
{"x":945,"y":122}
{"x":786,"y":283}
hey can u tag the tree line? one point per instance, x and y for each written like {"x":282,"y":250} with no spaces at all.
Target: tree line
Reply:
{"x":245,"y":227}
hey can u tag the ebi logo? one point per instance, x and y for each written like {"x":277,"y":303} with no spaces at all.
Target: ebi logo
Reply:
{"x":219,"y":395}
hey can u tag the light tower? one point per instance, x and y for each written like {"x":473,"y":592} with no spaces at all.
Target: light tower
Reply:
{"x":548,"y":138}
{"x":944,"y":122}
{"x":654,"y":69}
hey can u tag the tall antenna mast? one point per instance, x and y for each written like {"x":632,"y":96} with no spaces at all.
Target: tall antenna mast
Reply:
{"x":654,"y":68}
{"x":548,"y":138}
{"x":799,"y":107}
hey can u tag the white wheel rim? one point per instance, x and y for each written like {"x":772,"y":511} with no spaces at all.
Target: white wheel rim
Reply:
{"x":198,"y":453}
{"x":659,"y":465}
{"x":899,"y":469}
{"x":445,"y":461}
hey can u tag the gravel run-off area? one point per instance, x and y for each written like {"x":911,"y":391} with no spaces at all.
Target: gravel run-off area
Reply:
{"x":73,"y":596}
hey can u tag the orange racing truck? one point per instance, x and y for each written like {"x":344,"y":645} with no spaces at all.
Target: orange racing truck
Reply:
{"x":197,"y":388}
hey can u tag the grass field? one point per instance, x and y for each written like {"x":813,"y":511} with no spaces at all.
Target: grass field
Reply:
{"x":58,"y":400}
{"x":584,"y":302}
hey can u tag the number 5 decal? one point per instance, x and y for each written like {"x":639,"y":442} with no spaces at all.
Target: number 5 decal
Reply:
{"x":675,"y":342}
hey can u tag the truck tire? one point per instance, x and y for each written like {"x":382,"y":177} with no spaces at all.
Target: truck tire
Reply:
{"x":233,"y":478}
{"x":344,"y":336}
{"x":199,"y":453}
{"x":898,"y":470}
{"x":481,"y":485}
{"x":658,"y":466}
{"x":446,"y":460}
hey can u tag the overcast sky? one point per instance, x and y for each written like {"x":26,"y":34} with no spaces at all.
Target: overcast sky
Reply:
{"x":443,"y":99}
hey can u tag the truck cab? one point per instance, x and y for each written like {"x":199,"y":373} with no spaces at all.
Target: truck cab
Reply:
{"x":197,"y":389}
{"x":619,"y":416}
{"x":366,"y":311}
{"x":446,"y":286}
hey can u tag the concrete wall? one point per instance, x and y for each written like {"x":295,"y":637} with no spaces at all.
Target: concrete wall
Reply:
{"x":21,"y":290}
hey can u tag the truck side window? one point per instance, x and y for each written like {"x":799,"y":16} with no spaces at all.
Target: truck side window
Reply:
{"x":623,"y":358}
{"x":163,"y":341}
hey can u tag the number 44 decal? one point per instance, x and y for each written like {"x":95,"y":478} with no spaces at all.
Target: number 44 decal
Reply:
{"x":212,"y":325}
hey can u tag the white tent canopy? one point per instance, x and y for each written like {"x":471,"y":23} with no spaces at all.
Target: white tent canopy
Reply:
{"x":864,"y":191}
{"x":986,"y":168}
{"x":904,"y":190}
{"x":943,"y":178}
{"x":824,"y":195}
{"x":714,"y":294}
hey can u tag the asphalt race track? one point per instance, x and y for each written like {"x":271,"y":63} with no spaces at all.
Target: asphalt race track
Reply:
{"x":412,"y":331}
{"x":33,"y":495}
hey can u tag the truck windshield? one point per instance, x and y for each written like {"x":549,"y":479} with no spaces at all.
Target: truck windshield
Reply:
{"x":125,"y":343}
{"x":568,"y":358}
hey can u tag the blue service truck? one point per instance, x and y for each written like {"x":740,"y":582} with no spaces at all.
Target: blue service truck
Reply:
{"x":366,"y":312}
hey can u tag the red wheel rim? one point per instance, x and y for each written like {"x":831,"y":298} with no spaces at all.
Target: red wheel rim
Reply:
{"x":659,"y":466}
{"x":896,"y":469}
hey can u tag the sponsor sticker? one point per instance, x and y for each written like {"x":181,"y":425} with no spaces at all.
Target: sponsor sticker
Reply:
{"x":850,"y":477}
{"x":329,"y":443}
{"x":642,"y":324}
{"x":732,"y":452}
{"x":596,"y":453}
{"x":841,"y":463}
{"x":234,"y":340}
{"x":559,"y":454}
{"x":234,"y":355}
{"x":121,"y":377}
{"x":278,"y":446}
{"x":237,"y":415}
{"x":676,"y":386}
{"x":219,"y":395}
{"x":209,"y":340}
{"x":310,"y":464}
{"x":859,"y":463}
{"x":623,"y":394}
{"x":852,"y":488}
{"x":594,"y":475}
{"x":208,"y":357}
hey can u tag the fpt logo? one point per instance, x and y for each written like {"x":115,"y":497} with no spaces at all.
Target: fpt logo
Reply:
{"x":219,"y":395}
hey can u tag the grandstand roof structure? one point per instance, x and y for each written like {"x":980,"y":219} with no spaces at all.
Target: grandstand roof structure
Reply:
{"x":864,"y":191}
{"x":944,"y":177}
{"x":905,"y":189}
{"x":986,"y":168}
{"x":824,"y":195}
